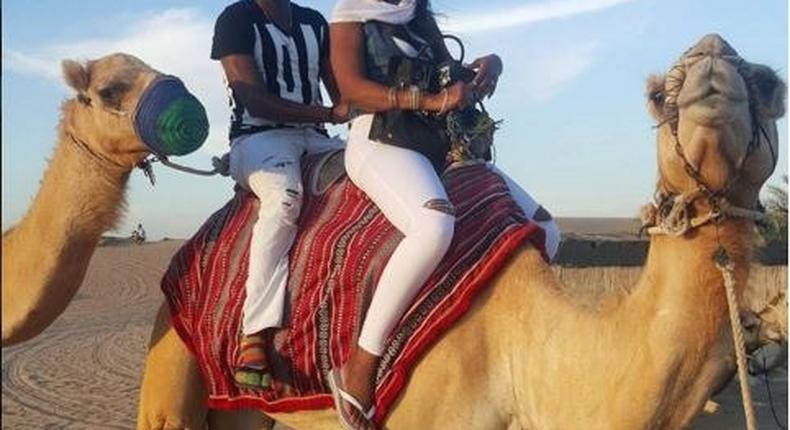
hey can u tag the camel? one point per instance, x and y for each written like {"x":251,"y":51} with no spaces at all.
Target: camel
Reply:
{"x":81,"y":196}
{"x":528,"y":354}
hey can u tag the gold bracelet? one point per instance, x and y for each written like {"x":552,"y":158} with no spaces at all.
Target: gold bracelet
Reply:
{"x":414,"y":92}
{"x":392,"y":97}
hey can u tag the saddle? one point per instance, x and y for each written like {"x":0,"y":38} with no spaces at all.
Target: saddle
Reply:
{"x":329,"y":168}
{"x":342,"y":246}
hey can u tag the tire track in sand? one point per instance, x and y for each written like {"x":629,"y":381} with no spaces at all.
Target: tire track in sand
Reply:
{"x":84,"y":371}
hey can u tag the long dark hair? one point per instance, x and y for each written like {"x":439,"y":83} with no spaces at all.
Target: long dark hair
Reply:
{"x":424,"y":23}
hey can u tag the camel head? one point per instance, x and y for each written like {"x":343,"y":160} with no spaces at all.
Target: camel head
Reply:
{"x":718,"y":112}
{"x":124,"y":110}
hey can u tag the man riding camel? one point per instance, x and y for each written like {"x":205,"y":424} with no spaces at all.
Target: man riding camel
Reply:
{"x":274,"y":54}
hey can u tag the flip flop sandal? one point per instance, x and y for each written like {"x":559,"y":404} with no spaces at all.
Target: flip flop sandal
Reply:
{"x":252,"y":370}
{"x":254,"y":379}
{"x":341,"y":396}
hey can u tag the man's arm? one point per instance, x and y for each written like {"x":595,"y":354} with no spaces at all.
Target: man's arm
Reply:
{"x":244,"y":79}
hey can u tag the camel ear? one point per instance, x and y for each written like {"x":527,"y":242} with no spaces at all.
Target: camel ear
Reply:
{"x":655,"y":96}
{"x":75,"y":75}
{"x":768,"y":90}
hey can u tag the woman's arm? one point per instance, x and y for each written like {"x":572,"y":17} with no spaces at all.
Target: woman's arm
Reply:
{"x":244,"y":79}
{"x":346,"y":41}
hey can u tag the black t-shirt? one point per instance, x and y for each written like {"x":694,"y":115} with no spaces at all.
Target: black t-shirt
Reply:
{"x":290,"y":64}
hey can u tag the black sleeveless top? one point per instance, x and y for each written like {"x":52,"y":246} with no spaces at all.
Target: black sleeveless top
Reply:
{"x":385,"y":44}
{"x":385,"y":41}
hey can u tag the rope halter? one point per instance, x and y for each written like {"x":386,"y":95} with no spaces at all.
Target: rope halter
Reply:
{"x":672,"y":214}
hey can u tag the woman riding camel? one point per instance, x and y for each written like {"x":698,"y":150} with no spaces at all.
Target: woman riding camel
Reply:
{"x":393,"y":155}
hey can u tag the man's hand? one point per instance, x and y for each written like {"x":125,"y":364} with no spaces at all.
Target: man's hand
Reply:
{"x":487,"y":71}
{"x":339,"y":113}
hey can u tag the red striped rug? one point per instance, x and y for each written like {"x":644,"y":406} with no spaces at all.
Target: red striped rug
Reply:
{"x":339,"y":254}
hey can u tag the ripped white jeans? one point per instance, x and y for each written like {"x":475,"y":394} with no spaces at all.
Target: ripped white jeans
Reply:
{"x":405,"y":186}
{"x":268,"y":164}
{"x":535,"y":212}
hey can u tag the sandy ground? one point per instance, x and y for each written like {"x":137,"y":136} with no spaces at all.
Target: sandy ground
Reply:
{"x":84,"y":371}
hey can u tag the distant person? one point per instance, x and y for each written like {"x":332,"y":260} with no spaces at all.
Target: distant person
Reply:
{"x":138,"y":234}
{"x":274,"y":54}
{"x":141,"y":232}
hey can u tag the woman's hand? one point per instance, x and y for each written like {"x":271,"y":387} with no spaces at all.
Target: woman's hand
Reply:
{"x":459,"y":95}
{"x":487,"y":70}
{"x":453,"y":97}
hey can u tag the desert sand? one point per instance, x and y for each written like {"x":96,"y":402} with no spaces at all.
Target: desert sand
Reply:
{"x":84,"y":371}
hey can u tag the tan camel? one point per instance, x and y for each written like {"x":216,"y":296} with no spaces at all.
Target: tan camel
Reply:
{"x":81,"y":196}
{"x":527,"y":355}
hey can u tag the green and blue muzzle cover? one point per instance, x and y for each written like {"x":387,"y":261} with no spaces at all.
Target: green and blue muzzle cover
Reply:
{"x":169,"y":119}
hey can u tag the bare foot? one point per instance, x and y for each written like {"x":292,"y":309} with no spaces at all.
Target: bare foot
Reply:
{"x":356,"y":377}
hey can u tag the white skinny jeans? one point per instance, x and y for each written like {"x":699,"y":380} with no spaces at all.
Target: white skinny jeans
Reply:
{"x":400,"y":182}
{"x":268,"y":164}
{"x":531,"y":208}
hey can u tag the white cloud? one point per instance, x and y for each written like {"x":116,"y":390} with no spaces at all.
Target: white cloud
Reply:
{"x":545,"y":76}
{"x":175,"y":41}
{"x":29,"y":65}
{"x":526,"y":14}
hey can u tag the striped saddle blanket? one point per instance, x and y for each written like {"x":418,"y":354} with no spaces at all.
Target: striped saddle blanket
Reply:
{"x":343,"y":244}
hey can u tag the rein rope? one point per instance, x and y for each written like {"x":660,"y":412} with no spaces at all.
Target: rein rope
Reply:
{"x":727,"y":269}
{"x":221,"y":166}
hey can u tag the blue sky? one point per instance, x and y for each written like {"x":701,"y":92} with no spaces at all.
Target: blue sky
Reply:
{"x":576,"y":133}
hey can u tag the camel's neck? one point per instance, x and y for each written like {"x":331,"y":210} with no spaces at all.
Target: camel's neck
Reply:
{"x":80,"y":198}
{"x":680,"y":309}
{"x":681,"y":279}
{"x":45,"y":256}
{"x":642,"y":360}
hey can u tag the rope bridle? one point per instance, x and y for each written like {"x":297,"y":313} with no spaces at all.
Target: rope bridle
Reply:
{"x":671,"y":215}
{"x":109,"y":168}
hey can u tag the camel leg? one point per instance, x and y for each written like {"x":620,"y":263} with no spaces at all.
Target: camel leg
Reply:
{"x":245,"y":419}
{"x":172,"y":395}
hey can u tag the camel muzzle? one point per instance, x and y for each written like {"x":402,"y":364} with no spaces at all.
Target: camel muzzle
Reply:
{"x":169,"y":119}
{"x":709,"y":68}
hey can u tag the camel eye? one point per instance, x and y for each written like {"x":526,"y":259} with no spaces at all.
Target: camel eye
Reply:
{"x":112,"y":93}
{"x":657,"y":97}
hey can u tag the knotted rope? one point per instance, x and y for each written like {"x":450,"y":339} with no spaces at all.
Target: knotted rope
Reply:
{"x":671,"y":214}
